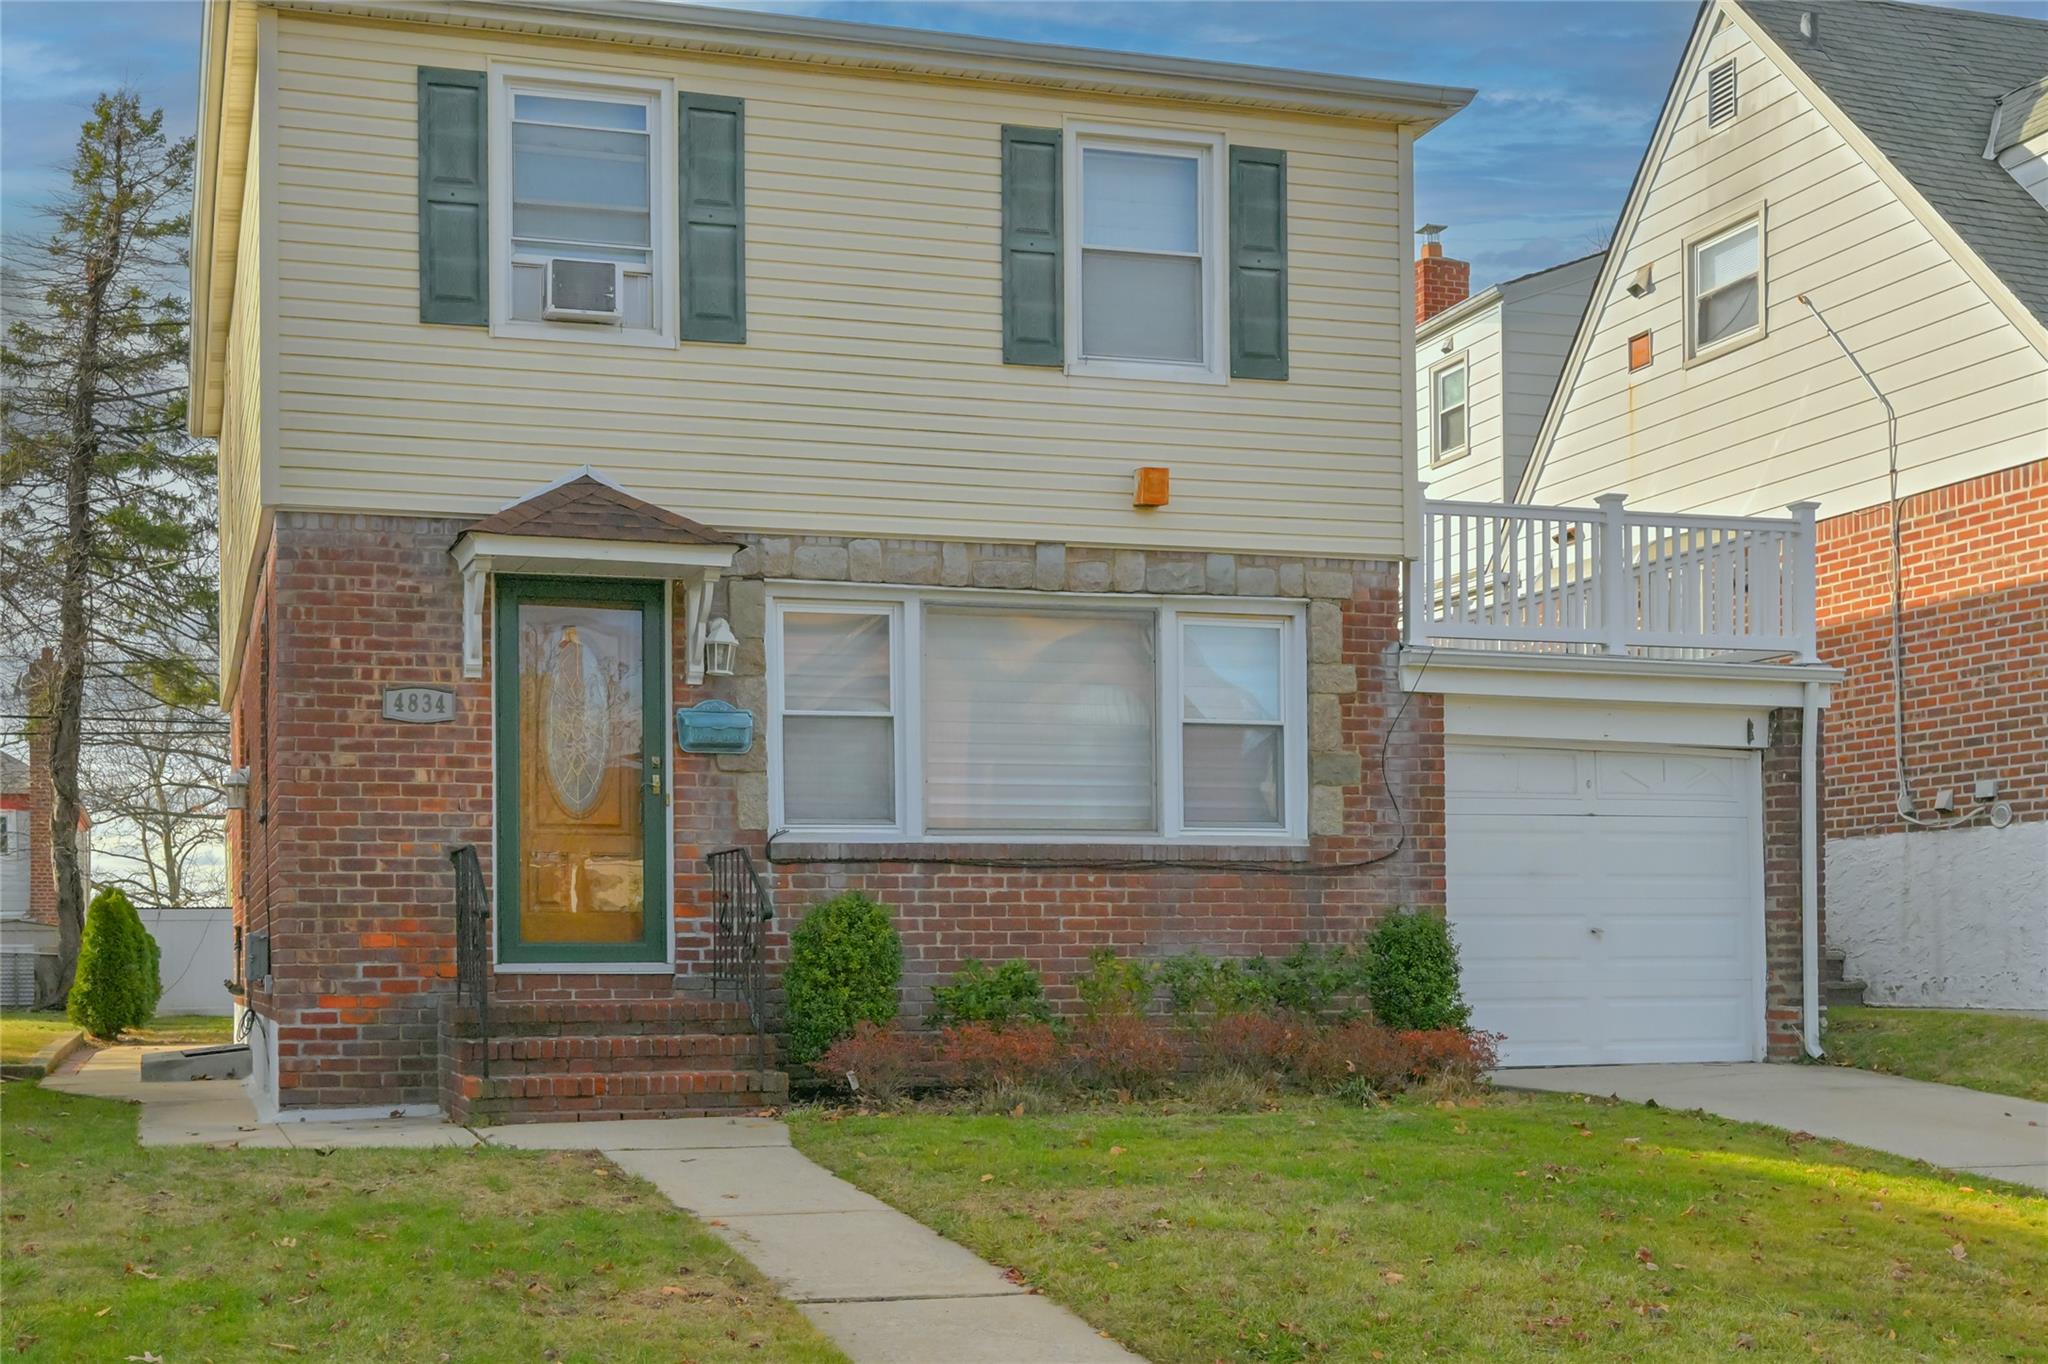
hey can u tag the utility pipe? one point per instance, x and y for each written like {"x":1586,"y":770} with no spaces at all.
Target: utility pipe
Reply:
{"x":1809,"y":870}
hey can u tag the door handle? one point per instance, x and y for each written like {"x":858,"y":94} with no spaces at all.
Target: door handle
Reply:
{"x":653,"y":776}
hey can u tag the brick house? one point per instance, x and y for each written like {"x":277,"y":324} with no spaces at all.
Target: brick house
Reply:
{"x":28,"y":876}
{"x":1830,"y":284}
{"x":691,"y":459}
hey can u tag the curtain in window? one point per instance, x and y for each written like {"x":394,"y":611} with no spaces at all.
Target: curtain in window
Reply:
{"x":1232,"y":727}
{"x":838,"y":729}
{"x":1039,"y":722}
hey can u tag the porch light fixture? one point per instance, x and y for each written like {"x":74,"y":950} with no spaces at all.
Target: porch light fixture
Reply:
{"x":235,"y":786}
{"x":721,"y":646}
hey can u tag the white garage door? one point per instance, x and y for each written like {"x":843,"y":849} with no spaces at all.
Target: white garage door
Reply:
{"x":1608,"y":903}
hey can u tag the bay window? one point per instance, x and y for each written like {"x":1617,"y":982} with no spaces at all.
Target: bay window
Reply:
{"x":978,"y":717}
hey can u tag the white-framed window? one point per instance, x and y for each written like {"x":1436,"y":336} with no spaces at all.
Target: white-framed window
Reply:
{"x":1146,"y":234}
{"x":1724,"y":286}
{"x":1449,"y":422}
{"x":581,"y":170}
{"x":958,"y":717}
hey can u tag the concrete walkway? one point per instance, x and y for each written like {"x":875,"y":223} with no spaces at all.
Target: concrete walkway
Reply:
{"x":1958,"y":1129}
{"x":886,"y":1288}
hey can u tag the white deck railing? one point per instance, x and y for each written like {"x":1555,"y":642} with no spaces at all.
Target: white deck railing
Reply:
{"x":1614,"y":581}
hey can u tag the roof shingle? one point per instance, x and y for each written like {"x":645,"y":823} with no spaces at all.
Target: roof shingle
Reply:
{"x":587,"y":508}
{"x":1922,"y":83}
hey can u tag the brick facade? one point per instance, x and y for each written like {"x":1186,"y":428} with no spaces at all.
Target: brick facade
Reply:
{"x":342,"y":853}
{"x":1784,"y":959}
{"x":1975,"y":579}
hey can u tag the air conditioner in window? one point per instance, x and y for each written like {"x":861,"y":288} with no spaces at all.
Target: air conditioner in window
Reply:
{"x":581,"y":291}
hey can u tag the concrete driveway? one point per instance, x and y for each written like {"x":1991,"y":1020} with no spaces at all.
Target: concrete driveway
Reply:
{"x":1958,"y":1129}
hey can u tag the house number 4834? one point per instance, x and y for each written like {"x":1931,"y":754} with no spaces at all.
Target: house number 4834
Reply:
{"x":419,"y":705}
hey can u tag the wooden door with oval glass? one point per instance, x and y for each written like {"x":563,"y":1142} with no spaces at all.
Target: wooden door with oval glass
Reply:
{"x":580,"y":682}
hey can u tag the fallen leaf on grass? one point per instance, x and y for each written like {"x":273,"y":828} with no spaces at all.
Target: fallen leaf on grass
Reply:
{"x":986,"y":1178}
{"x":1957,"y":1252}
{"x":1393,"y":1276}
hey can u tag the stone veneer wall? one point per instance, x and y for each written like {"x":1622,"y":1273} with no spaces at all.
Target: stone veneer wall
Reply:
{"x":343,"y":854}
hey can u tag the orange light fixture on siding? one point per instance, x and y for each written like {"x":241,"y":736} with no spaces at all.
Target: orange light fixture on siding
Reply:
{"x":1151,"y":489}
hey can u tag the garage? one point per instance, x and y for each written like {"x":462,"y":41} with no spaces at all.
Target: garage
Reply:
{"x":1608,"y":900}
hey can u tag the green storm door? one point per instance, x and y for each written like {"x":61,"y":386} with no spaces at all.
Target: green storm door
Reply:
{"x":581,"y":683}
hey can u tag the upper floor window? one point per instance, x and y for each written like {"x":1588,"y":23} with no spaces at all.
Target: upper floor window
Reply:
{"x":1144,"y":296}
{"x":1724,"y":286}
{"x":583,"y":192}
{"x":1448,"y":409}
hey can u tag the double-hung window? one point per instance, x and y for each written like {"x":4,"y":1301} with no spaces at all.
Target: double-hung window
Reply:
{"x":1448,"y":409}
{"x":1725,"y":287}
{"x":1144,"y":280}
{"x":961,"y":718}
{"x":582,"y":176}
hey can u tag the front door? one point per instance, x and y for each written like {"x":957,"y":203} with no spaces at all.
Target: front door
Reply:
{"x":580,"y":682}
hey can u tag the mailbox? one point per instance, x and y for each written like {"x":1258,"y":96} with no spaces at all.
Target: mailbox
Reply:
{"x":714,"y":727}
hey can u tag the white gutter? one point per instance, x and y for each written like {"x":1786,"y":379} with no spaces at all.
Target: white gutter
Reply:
{"x":1809,"y":870}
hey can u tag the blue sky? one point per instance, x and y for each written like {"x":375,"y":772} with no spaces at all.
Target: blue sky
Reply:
{"x":1531,"y":174}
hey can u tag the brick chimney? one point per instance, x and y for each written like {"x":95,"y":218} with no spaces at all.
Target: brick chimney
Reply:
{"x":42,"y":795}
{"x":1440,"y":282}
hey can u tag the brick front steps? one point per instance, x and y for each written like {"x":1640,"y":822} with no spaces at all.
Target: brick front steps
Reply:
{"x":556,"y":1062}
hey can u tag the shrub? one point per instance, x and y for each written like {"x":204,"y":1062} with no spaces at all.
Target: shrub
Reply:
{"x":844,"y":965}
{"x":152,"y":969}
{"x":998,"y":996}
{"x":1413,"y":974}
{"x":1259,"y":1043}
{"x":1451,"y":1053}
{"x":1196,"y":984}
{"x":988,"y":1057}
{"x":1314,"y":980}
{"x":112,"y":990}
{"x":878,"y":1062}
{"x":1125,"y":1053}
{"x":1354,"y":1060}
{"x":1113,"y":987}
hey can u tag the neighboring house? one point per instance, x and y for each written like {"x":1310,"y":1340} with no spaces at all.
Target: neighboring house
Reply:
{"x":701,"y":460}
{"x":1876,"y":169}
{"x":28,"y":878}
{"x":1485,"y":369}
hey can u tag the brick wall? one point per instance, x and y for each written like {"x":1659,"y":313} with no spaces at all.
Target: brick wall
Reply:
{"x":1440,"y":282}
{"x":1975,"y":560}
{"x":342,"y":852}
{"x":1784,"y":977}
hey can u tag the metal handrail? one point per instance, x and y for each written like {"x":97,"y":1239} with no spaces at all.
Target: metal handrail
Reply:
{"x":473,"y":942}
{"x":742,"y":907}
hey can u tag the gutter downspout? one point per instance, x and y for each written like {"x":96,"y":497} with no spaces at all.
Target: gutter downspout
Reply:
{"x":1809,"y":870}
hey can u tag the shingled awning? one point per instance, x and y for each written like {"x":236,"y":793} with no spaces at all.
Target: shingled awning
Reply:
{"x":588,"y":526}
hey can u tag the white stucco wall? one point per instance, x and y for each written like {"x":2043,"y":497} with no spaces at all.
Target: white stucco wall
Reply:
{"x":1957,"y":918}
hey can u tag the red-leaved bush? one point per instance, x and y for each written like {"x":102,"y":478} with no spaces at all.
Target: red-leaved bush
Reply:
{"x":986,"y":1057}
{"x":1353,"y":1057}
{"x":1126,"y":1053}
{"x":877,"y":1063}
{"x":1254,"y":1042}
{"x":1451,"y":1052}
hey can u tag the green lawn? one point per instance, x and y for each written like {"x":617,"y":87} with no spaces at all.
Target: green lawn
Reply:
{"x":113,"y":1252}
{"x":1513,"y":1228}
{"x":23,"y":1033}
{"x":1995,"y":1052}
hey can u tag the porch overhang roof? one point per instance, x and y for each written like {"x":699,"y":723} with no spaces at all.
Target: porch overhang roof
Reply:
{"x":587,"y":526}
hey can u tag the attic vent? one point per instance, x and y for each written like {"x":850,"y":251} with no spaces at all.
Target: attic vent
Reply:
{"x":1721,"y":94}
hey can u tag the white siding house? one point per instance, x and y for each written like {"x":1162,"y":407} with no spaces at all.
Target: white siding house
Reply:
{"x":1829,"y":286}
{"x":1497,"y":355}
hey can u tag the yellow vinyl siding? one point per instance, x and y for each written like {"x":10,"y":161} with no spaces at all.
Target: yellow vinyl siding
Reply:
{"x":1787,"y":418}
{"x":870,"y":397}
{"x":241,"y":420}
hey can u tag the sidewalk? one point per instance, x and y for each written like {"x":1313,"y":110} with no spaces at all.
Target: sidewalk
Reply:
{"x":1959,"y":1129}
{"x":886,"y":1288}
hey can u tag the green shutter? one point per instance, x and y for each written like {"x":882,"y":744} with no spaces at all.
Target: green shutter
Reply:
{"x":712,"y":148}
{"x":455,"y":239}
{"x":1258,"y":263}
{"x":1033,"y":283}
